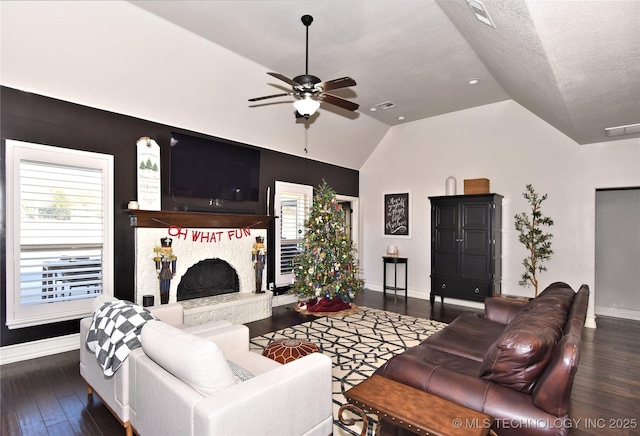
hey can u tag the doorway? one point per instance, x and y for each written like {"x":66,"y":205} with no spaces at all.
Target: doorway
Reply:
{"x":350,"y":207}
{"x":617,"y":253}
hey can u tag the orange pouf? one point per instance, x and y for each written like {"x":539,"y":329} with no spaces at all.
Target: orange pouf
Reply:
{"x":288,"y":350}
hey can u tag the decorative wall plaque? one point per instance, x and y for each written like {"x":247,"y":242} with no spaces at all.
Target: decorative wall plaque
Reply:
{"x":396,"y":214}
{"x":149,"y":189}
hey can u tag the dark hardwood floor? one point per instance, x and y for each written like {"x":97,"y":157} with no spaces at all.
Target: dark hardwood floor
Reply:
{"x":47,"y":396}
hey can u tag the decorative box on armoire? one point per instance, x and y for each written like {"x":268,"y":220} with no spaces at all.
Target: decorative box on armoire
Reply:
{"x":466,"y":246}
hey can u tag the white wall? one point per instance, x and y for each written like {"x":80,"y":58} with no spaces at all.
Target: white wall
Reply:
{"x":115,"y":56}
{"x":512,"y":147}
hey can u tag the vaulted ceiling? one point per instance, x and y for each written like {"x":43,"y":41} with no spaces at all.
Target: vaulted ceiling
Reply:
{"x":575,"y":64}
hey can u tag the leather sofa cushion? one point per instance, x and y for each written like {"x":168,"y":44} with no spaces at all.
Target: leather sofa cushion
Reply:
{"x":517,"y":358}
{"x":558,"y":288}
{"x":196,"y":361}
{"x":559,"y":295}
{"x":469,"y":336}
{"x":416,"y":366}
{"x":436,"y":358}
{"x":521,"y":353}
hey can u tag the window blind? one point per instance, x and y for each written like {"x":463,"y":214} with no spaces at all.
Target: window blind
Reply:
{"x":292,"y":204}
{"x":61,"y":232}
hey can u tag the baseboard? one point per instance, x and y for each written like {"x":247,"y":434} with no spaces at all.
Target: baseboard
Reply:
{"x":413,"y":293}
{"x":618,"y":313}
{"x":283,"y":299}
{"x":419,"y":294}
{"x":41,"y":348}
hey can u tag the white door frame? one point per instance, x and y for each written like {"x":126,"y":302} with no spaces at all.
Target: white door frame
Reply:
{"x":355,"y":220}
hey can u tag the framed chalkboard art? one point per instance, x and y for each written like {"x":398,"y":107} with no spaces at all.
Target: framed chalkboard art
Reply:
{"x":396,"y":215}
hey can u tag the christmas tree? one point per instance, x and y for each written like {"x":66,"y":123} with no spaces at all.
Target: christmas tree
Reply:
{"x":326,"y":270}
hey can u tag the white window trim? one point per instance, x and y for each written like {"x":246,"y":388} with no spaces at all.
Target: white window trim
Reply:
{"x":280,"y":187}
{"x":17,"y":315}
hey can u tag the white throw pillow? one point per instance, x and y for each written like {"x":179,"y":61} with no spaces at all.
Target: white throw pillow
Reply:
{"x":196,"y":361}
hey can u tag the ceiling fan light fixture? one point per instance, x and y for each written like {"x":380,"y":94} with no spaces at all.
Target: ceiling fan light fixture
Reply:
{"x":306,"y":86}
{"x":306,"y":106}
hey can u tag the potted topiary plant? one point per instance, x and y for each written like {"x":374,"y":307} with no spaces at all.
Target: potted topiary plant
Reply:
{"x":532,"y":236}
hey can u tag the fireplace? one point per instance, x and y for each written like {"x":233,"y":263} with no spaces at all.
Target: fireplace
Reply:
{"x":197,"y":237}
{"x":207,"y":278}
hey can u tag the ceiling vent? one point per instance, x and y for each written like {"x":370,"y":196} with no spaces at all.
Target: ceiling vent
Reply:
{"x":629,"y":129}
{"x":384,"y":106}
{"x":481,"y":13}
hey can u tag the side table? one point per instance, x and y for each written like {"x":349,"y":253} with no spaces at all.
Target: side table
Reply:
{"x":411,"y":409}
{"x":395,"y":261}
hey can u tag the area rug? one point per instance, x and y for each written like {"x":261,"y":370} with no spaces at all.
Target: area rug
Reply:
{"x":358,"y":344}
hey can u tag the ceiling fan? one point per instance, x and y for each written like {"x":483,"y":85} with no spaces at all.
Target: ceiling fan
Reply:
{"x":310,"y":90}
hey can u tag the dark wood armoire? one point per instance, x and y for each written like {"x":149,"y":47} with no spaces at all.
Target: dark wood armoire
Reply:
{"x":466,"y":246}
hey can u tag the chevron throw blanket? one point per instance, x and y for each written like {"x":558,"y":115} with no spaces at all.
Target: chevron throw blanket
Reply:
{"x":115,"y":331}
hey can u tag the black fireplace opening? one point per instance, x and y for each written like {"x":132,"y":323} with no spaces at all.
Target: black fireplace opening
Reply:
{"x":207,"y":278}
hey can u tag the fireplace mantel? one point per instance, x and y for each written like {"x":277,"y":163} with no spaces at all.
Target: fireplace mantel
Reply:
{"x":170,"y":218}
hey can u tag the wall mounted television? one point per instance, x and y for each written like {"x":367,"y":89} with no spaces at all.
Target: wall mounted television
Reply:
{"x":213,"y":169}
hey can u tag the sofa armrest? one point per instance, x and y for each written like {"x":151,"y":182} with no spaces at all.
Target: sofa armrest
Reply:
{"x":512,"y":410}
{"x":231,"y":339}
{"x":160,"y":403}
{"x":204,"y":329}
{"x":114,"y":390}
{"x":293,"y":399}
{"x":500,"y":310}
{"x":171,"y":314}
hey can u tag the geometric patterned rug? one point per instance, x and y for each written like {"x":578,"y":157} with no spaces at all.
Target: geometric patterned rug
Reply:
{"x":358,"y":344}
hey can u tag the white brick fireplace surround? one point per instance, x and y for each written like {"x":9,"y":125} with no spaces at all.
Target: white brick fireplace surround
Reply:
{"x":195,"y":237}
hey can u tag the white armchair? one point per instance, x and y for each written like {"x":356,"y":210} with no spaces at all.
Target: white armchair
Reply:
{"x":114,"y":390}
{"x":181,"y":386}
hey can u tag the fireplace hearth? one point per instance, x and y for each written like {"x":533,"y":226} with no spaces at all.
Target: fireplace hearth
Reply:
{"x":207,"y":278}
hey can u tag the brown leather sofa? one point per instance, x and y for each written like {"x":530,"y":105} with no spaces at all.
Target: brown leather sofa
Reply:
{"x":516,"y":363}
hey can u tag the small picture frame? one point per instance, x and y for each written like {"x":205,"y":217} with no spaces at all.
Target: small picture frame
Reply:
{"x":396,"y":215}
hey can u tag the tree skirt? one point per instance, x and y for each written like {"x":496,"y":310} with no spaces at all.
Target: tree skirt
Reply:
{"x":349,"y":311}
{"x":325,"y":306}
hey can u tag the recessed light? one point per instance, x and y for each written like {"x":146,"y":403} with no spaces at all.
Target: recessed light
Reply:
{"x":373,"y":109}
{"x":400,"y":118}
{"x":473,"y":81}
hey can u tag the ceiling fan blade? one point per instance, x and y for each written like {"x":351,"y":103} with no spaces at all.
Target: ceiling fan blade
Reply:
{"x":284,"y":79}
{"x":269,"y":96}
{"x":342,"y":82}
{"x":339,"y":101}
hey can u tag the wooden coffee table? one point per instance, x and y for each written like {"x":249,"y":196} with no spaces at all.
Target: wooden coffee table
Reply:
{"x":412,"y":409}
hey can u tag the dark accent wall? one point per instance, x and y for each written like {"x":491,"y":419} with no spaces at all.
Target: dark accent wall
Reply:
{"x":34,"y":118}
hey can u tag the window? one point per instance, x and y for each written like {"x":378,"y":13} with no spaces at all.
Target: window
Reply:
{"x":60,"y":232}
{"x":292,"y":204}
